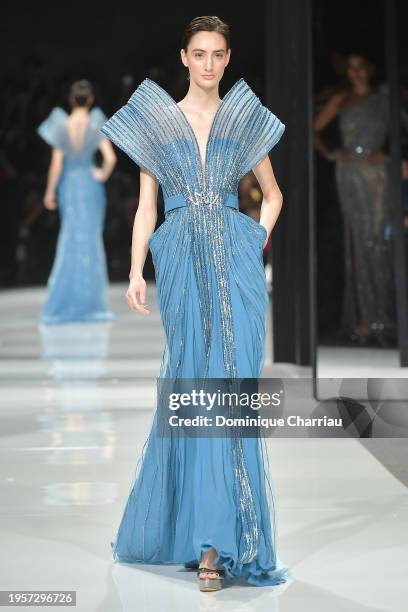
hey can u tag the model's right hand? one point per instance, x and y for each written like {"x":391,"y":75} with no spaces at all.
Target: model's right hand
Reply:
{"x":339,"y":155}
{"x":136,"y":295}
{"x":50,"y":201}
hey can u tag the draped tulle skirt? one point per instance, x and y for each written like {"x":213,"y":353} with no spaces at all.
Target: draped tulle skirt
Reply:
{"x":185,"y":498}
{"x":76,"y":287}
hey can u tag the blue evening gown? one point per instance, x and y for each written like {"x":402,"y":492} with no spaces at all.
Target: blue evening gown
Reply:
{"x":76,"y":287}
{"x":190,"y":494}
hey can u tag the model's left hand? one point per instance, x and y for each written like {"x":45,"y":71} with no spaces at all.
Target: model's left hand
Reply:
{"x":98,"y":174}
{"x":266,"y":240}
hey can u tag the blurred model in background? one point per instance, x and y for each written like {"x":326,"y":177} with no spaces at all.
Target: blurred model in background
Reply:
{"x":78,"y":280}
{"x":362,"y":179}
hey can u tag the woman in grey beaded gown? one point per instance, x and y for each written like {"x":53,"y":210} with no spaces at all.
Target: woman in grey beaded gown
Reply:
{"x":362,"y":180}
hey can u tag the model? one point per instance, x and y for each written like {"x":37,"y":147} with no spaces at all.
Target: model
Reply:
{"x":78,"y":280}
{"x":202,"y":501}
{"x":362,"y":179}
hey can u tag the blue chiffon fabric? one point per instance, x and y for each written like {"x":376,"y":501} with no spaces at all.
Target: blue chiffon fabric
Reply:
{"x":77,"y":284}
{"x":189,"y":494}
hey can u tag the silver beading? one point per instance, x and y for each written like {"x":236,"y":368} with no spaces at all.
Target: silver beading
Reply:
{"x":205,"y":196}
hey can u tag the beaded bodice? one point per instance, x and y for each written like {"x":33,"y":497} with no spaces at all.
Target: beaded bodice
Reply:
{"x":153,"y":130}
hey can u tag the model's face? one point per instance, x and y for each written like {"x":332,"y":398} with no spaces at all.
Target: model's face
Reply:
{"x":358,"y":70}
{"x":206,"y":58}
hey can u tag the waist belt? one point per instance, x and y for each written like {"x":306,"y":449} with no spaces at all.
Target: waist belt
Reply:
{"x":178,"y":201}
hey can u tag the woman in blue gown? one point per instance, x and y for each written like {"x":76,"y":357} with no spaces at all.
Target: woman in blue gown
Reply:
{"x":78,"y":280}
{"x":202,"y":500}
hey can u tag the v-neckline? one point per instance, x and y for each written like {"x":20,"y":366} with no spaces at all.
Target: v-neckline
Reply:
{"x":203,"y":167}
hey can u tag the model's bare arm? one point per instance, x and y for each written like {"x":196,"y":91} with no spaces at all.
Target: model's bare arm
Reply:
{"x":272,"y":197}
{"x":143,"y":227}
{"x":322,"y":119}
{"x":54,"y":171}
{"x":108,"y":161}
{"x":328,"y":112}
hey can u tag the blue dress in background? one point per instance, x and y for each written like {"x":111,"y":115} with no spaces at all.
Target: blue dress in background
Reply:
{"x":78,"y":280}
{"x":190,"y":494}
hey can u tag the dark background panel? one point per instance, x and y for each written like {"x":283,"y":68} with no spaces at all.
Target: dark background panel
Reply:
{"x":47,"y":45}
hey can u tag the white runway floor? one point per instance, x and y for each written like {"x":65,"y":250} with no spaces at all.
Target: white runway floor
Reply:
{"x":75,"y":408}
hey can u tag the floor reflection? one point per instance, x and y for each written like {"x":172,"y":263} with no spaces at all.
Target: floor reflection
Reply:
{"x":77,"y":350}
{"x":78,"y":430}
{"x":151,"y":588}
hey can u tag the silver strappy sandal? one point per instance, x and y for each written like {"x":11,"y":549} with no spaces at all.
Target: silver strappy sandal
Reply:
{"x":210,"y":584}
